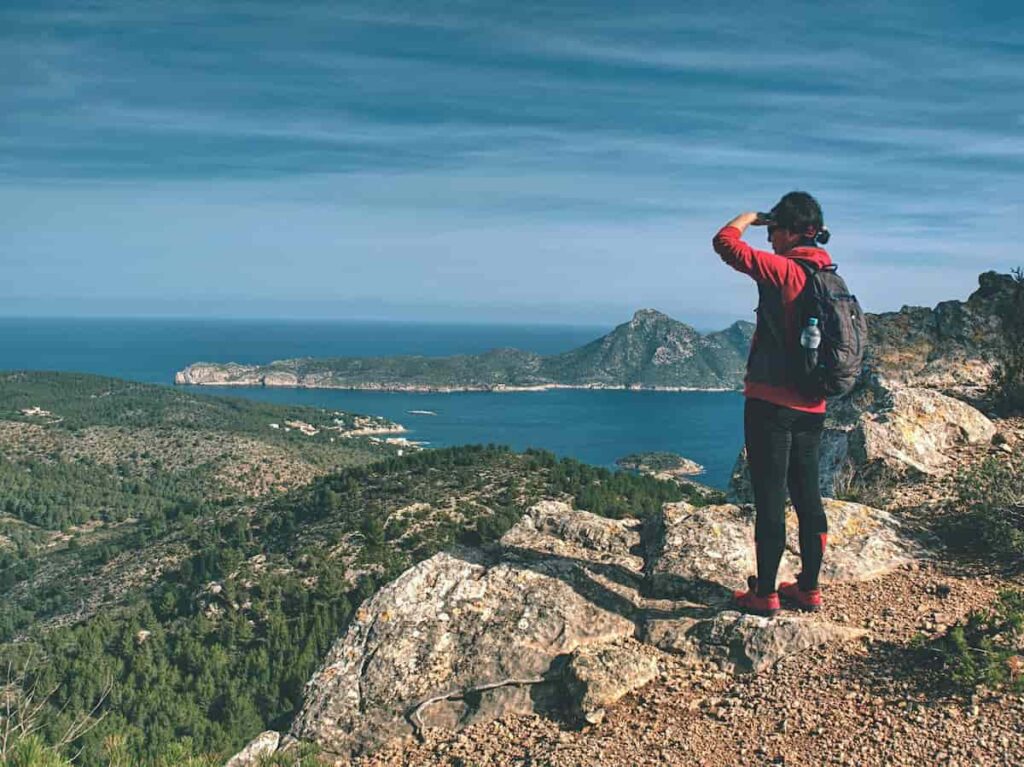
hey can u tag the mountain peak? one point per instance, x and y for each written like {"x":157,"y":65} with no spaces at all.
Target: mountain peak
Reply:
{"x":649,"y":315}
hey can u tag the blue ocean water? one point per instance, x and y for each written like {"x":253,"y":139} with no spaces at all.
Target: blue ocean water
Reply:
{"x":593,"y":426}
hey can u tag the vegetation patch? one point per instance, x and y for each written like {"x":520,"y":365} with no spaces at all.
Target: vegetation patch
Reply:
{"x":989,"y":512}
{"x":217,"y":643}
{"x":987,"y":648}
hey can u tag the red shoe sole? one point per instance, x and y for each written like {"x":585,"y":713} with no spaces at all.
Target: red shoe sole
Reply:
{"x":764,"y":612}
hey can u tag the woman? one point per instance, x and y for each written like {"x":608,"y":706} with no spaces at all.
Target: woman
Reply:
{"x":782,"y":427}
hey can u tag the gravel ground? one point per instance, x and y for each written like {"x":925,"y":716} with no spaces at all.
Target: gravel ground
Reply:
{"x":862,"y":703}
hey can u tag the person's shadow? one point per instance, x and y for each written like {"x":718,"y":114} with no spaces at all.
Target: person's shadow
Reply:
{"x":700,"y":599}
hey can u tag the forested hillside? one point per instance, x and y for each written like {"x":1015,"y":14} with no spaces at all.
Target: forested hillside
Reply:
{"x":153,"y":602}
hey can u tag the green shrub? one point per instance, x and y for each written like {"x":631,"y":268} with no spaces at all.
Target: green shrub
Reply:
{"x":990,"y":501}
{"x":30,"y":751}
{"x":985,"y":648}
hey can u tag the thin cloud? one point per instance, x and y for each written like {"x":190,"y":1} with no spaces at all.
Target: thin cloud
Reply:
{"x":470,"y":147}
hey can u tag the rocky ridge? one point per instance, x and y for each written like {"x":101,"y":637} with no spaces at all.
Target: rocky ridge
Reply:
{"x":570,"y":610}
{"x":948,"y":348}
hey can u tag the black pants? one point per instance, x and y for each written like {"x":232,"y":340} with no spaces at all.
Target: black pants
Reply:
{"x":783,"y":446}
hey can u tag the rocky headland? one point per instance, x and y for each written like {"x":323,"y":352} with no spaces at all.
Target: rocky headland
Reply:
{"x":651,"y":351}
{"x":947,"y":348}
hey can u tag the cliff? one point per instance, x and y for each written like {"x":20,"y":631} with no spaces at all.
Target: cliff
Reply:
{"x":948,"y":347}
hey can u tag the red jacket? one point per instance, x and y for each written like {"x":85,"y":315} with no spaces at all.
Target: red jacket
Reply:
{"x":779,"y":272}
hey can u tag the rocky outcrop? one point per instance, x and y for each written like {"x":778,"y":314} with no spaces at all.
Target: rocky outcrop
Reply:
{"x":750,"y":643}
{"x":948,"y":348}
{"x":699,"y":553}
{"x":744,"y":643}
{"x":706,"y":553}
{"x":551,"y":617}
{"x":884,"y":432}
{"x":915,"y":430}
{"x":465,"y":636}
{"x":213,"y":374}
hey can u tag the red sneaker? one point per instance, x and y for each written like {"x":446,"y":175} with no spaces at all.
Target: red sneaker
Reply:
{"x":749,"y":602}
{"x":808,"y":601}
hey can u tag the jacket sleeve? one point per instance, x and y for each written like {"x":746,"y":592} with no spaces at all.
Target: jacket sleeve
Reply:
{"x":759,"y":264}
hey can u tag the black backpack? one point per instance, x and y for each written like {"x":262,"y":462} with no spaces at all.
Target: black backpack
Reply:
{"x":833,"y":368}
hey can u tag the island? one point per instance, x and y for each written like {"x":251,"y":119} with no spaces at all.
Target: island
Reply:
{"x":650,"y":352}
{"x":657,"y":463}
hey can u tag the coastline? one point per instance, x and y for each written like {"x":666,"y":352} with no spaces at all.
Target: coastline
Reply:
{"x":424,"y":389}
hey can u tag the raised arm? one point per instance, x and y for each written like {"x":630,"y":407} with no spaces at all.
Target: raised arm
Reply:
{"x":759,"y":264}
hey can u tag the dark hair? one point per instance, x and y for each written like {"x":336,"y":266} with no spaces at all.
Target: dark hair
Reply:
{"x":800,"y":214}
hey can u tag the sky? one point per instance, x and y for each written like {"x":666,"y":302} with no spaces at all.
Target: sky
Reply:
{"x":560,"y":162}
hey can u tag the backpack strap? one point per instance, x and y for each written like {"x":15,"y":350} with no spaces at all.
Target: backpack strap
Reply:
{"x":810,"y":267}
{"x":807,"y":266}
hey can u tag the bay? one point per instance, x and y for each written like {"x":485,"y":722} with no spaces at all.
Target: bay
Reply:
{"x":593,"y":426}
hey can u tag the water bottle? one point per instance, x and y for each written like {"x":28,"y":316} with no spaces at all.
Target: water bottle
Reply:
{"x":810,"y":338}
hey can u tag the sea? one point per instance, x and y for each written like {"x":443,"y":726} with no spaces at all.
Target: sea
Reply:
{"x":593,"y":426}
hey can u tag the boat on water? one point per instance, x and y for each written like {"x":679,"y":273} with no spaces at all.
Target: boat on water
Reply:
{"x":421,"y":412}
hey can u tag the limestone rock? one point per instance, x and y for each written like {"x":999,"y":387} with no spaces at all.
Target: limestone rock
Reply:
{"x":918,"y":430}
{"x":882,"y":432}
{"x":699,"y":553}
{"x":550,"y":616}
{"x":740,"y":490}
{"x":280,"y":378}
{"x":555,"y":528}
{"x":262,"y":745}
{"x":674,"y":635}
{"x":863,"y":542}
{"x":706,"y":553}
{"x":455,"y":624}
{"x":750,"y":643}
{"x":598,"y":677}
{"x":211,"y":373}
{"x":743,"y":643}
{"x":949,"y":348}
